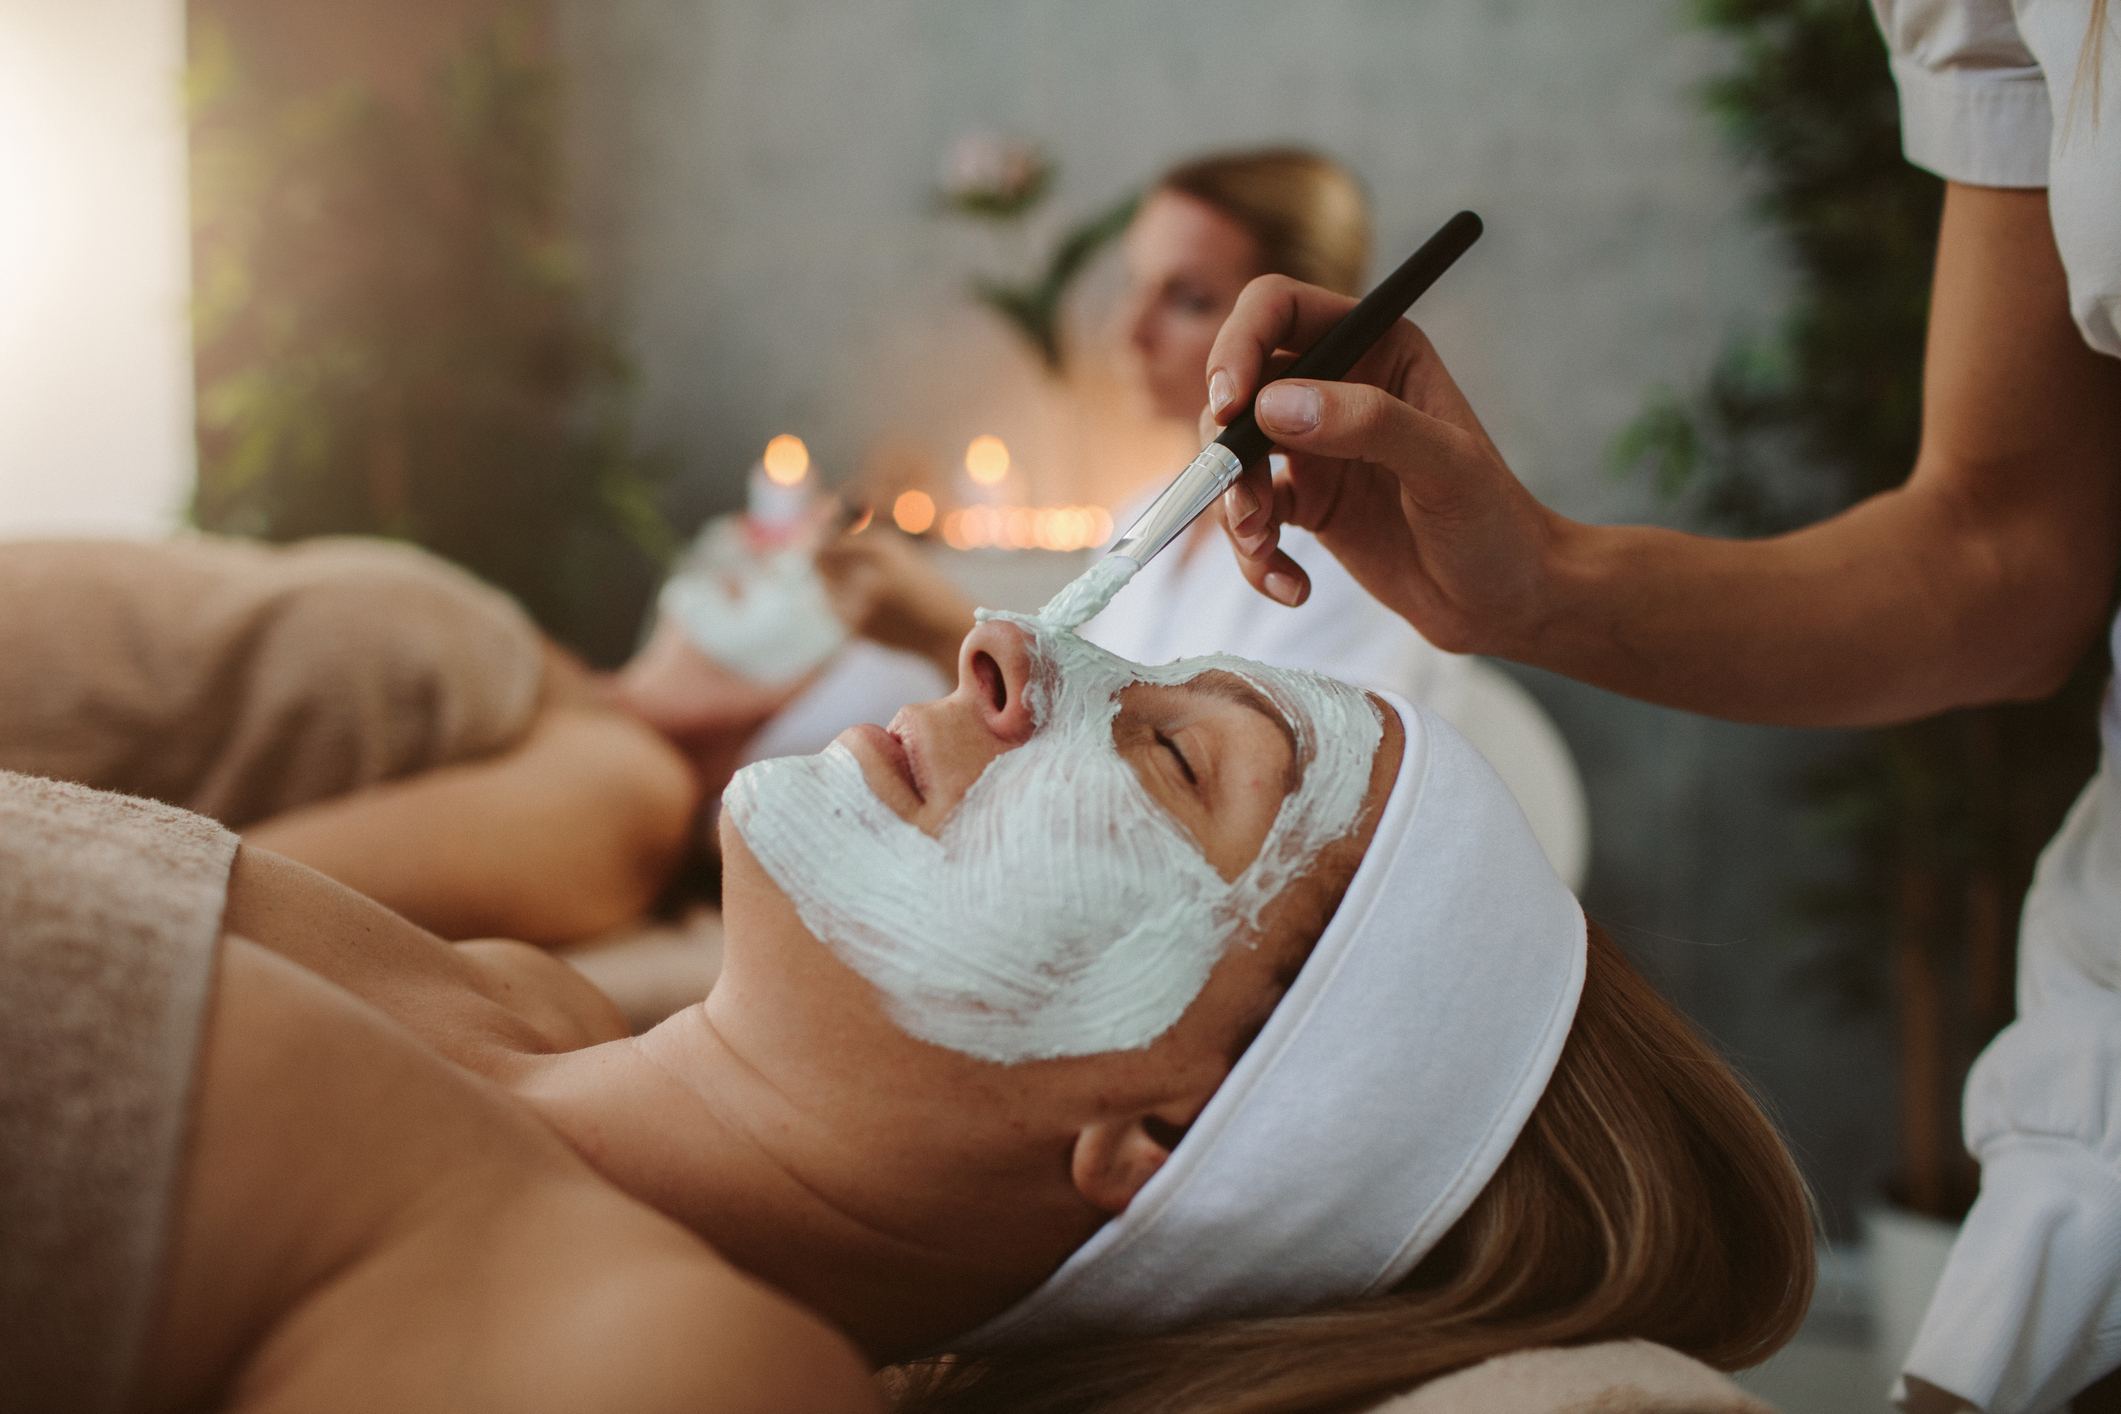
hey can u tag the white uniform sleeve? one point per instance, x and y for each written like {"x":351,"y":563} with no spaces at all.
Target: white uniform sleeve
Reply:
{"x":1973,"y":100}
{"x":1990,"y":96}
{"x":2029,"y":1308}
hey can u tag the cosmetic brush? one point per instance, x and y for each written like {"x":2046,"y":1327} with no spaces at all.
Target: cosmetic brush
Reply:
{"x":1242,"y":443}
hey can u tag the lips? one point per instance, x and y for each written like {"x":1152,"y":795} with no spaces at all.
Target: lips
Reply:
{"x":892,"y":750}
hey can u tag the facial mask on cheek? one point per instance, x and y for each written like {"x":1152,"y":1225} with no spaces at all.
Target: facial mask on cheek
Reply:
{"x":1062,"y":911}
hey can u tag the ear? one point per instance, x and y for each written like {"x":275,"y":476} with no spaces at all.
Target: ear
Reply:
{"x":1113,"y":1158}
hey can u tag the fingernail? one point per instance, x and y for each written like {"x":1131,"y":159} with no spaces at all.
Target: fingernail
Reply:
{"x":1239,"y":505}
{"x":1283,"y":587}
{"x":1250,"y":546}
{"x":1220,"y":391}
{"x":1289,"y":407}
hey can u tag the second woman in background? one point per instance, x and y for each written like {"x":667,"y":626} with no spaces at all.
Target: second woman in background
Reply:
{"x":1204,"y":231}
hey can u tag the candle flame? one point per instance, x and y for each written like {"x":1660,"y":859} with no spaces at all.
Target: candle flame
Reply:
{"x":1023,"y":528}
{"x":987,"y":460}
{"x":913,"y":512}
{"x":787,"y":460}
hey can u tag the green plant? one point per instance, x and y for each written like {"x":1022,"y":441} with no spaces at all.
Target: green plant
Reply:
{"x":1001,"y":183}
{"x":1938,"y":821}
{"x":389,"y":328}
{"x":1033,"y":306}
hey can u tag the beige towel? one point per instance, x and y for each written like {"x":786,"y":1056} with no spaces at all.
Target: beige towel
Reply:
{"x":240,"y":680}
{"x":110,"y":910}
{"x":1615,"y":1377}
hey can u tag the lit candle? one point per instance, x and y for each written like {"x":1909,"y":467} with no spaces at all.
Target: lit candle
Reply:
{"x":913,"y":512}
{"x":779,"y":492}
{"x":1064,"y":528}
{"x":987,"y":460}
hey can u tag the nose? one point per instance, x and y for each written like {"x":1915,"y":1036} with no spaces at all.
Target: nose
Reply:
{"x":1128,"y":319}
{"x":994,"y":673}
{"x":1141,"y":326}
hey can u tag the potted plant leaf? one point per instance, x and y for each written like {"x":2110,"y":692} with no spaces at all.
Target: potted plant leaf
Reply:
{"x":390,"y":334}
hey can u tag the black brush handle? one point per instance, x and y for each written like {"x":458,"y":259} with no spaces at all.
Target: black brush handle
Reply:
{"x":1361,"y":327}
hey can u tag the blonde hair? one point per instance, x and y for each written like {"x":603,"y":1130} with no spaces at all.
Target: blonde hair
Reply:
{"x":1306,"y":212}
{"x":1647,"y":1197}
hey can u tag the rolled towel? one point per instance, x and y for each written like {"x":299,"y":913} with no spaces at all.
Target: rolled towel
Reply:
{"x":240,"y":680}
{"x":110,"y":911}
{"x":1612,"y":1377}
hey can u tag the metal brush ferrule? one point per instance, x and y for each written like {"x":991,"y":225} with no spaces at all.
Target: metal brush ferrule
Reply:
{"x":1205,"y":477}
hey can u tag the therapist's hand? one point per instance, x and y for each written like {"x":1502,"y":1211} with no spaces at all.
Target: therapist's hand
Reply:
{"x":1390,"y":469}
{"x":886,"y":591}
{"x":1982,"y":578}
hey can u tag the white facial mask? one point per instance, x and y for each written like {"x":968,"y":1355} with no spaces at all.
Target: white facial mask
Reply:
{"x":1061,"y":911}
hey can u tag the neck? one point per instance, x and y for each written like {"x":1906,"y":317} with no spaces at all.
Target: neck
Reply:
{"x":679,"y":1121}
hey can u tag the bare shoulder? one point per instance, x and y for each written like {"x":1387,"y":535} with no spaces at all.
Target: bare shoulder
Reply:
{"x":694,"y":1337}
{"x":656,"y":1320}
{"x":559,"y":1296}
{"x":648,"y":1320}
{"x":365,"y":1226}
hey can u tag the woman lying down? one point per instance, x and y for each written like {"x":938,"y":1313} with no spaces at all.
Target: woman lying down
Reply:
{"x":1088,"y":1026}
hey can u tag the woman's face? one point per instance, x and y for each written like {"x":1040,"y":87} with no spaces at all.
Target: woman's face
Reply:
{"x":1213,"y":752}
{"x":1186,"y":265}
{"x":1052,"y":861}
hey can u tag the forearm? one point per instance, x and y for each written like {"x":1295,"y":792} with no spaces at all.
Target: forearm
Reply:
{"x":462,"y":1000}
{"x":932,"y":622}
{"x":569,"y":833}
{"x":941,"y":638}
{"x":1983,"y":579}
{"x":886,"y":591}
{"x":1905,"y":605}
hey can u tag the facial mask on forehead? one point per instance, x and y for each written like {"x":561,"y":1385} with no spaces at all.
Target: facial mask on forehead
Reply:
{"x":1061,"y":911}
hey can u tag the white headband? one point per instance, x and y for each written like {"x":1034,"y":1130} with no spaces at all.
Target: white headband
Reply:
{"x":1380,"y":1097}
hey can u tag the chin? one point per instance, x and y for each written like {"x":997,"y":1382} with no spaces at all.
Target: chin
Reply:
{"x":753,"y":906}
{"x":743,"y":877}
{"x":774,"y":970}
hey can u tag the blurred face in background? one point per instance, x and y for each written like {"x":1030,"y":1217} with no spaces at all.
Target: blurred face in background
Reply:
{"x":1186,"y":265}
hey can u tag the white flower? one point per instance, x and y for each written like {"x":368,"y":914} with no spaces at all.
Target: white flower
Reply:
{"x":993,"y":176}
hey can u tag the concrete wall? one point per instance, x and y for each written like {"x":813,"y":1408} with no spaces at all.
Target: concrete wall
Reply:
{"x":757,"y":177}
{"x":754,"y":182}
{"x":95,"y":349}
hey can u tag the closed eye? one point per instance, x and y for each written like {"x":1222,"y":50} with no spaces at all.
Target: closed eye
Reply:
{"x":1184,"y":765}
